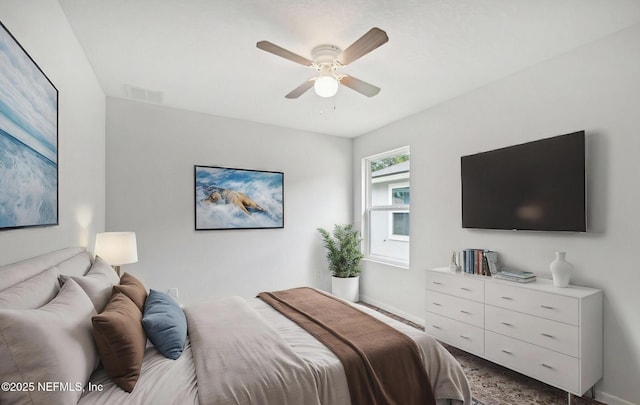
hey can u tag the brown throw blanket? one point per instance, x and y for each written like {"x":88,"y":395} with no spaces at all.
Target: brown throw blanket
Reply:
{"x":382,"y":365}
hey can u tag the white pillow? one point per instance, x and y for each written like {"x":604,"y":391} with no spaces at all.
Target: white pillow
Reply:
{"x":33,"y":292}
{"x":53,"y":343}
{"x":97,"y":283}
{"x":103,"y":269}
{"x":76,"y":265}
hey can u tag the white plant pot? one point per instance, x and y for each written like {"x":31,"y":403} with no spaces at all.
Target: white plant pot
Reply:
{"x":346,"y":288}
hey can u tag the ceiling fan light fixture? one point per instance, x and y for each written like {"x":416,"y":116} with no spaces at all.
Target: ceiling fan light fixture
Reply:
{"x":327,"y":59}
{"x":326,"y":86}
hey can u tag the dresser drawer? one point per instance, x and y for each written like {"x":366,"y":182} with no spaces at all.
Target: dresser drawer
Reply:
{"x":545,"y":365}
{"x":466,"y":337}
{"x":549,"y":334}
{"x":546,"y":305}
{"x":455,"y":284}
{"x":460,"y":309}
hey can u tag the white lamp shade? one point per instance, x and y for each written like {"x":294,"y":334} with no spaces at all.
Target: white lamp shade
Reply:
{"x":117,"y":248}
{"x":326,"y":86}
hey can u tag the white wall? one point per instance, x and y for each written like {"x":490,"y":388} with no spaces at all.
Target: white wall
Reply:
{"x":595,"y":88}
{"x":151,"y":151}
{"x":43,"y":31}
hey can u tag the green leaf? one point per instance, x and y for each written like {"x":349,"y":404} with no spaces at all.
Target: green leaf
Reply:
{"x":343,"y":250}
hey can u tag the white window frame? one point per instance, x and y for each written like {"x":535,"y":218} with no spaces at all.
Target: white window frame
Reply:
{"x":368,"y":208}
{"x":391,"y":187}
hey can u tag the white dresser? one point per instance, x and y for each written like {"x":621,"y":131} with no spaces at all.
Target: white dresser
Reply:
{"x":551,"y":334}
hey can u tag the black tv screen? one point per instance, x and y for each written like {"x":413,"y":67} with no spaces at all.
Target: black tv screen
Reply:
{"x":538,"y":186}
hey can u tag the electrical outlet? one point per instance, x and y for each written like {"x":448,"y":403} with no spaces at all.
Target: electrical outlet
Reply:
{"x":173,"y":292}
{"x":318,"y":275}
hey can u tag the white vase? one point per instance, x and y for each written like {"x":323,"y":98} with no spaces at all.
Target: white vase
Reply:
{"x":347,"y":288}
{"x":561,"y":270}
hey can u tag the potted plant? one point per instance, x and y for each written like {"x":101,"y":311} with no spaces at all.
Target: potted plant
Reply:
{"x":343,"y":255}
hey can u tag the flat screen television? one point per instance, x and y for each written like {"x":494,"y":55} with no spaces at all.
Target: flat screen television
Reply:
{"x":539,"y":186}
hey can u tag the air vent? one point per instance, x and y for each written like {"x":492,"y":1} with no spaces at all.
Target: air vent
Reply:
{"x":140,"y":94}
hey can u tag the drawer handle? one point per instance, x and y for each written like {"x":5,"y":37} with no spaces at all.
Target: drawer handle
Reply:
{"x":436,"y":282}
{"x":547,"y":335}
{"x":507,"y":298}
{"x":464,"y":312}
{"x":465,"y":289}
{"x":505,"y":323}
{"x":546,"y":307}
{"x":464,"y":337}
{"x":546,"y":366}
{"x":506,"y":351}
{"x":437,"y":304}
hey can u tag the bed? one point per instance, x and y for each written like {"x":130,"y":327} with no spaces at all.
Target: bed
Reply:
{"x":260,"y":356}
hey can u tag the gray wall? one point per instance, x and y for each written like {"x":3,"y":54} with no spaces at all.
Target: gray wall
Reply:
{"x":43,"y":31}
{"x":595,"y":88}
{"x":151,"y":151}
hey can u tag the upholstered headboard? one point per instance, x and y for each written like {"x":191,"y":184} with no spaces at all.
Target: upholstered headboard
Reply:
{"x":73,"y":261}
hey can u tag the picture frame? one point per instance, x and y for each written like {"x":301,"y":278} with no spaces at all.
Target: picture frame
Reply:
{"x":28,"y":140}
{"x":230,"y":198}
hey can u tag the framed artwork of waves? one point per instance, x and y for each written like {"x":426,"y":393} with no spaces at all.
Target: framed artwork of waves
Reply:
{"x":28,"y":140}
{"x":227,"y":198}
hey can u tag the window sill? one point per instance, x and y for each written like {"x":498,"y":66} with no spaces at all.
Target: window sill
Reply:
{"x":388,"y":262}
{"x":398,"y":238}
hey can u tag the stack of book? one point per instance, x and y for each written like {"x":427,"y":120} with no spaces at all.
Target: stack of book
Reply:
{"x":479,"y":261}
{"x":516,"y":275}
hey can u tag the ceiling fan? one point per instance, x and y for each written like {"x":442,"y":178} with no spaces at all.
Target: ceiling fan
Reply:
{"x":327,"y":59}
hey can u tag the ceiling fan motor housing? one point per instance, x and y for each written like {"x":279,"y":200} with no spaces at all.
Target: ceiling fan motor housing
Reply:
{"x":325,"y":55}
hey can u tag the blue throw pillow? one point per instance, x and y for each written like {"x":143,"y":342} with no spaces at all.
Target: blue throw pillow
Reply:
{"x":165,"y":324}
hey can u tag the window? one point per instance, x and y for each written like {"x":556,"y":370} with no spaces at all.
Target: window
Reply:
{"x":386,"y":207}
{"x":399,"y":220}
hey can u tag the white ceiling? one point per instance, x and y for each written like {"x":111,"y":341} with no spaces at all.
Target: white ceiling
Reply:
{"x":202,"y":56}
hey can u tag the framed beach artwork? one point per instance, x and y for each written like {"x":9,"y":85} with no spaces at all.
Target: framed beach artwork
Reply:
{"x":228,"y":198}
{"x":28,"y":140}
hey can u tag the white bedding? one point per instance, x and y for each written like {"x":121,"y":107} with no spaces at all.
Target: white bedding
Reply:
{"x":165,"y":381}
{"x":162,"y":381}
{"x":447,"y":379}
{"x":240,"y":359}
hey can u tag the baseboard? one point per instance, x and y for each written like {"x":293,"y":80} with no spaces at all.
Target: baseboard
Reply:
{"x":611,"y":399}
{"x":393,"y":310}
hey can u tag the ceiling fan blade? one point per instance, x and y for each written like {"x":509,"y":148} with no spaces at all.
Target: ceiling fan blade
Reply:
{"x":300,"y":90}
{"x":374,"y":38}
{"x":360,"y":86}
{"x":279,"y":51}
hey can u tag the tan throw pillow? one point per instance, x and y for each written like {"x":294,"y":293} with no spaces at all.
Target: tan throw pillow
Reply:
{"x":31,"y":293}
{"x":121,"y":340}
{"x":50,"y":344}
{"x":132,"y":288}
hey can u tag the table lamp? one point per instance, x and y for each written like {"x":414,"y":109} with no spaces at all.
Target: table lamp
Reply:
{"x":117,"y":248}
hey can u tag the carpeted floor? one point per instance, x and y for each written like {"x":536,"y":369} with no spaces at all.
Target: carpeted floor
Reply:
{"x":492,"y":384}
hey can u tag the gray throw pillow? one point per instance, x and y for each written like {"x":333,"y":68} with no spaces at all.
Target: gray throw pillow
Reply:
{"x":97,"y":283}
{"x":53,"y":343}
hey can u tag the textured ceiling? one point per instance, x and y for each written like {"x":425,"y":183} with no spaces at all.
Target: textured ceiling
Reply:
{"x":200,"y":55}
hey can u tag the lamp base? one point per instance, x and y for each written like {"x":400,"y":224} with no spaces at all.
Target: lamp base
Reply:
{"x":117,"y":269}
